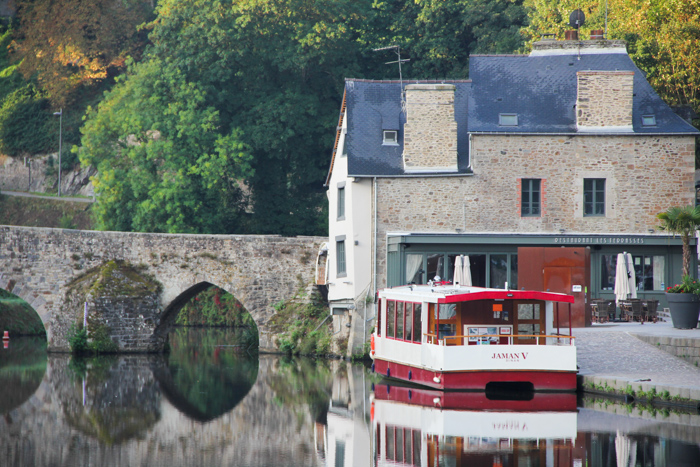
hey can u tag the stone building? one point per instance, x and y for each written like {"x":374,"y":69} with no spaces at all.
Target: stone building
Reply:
{"x":566,"y":146}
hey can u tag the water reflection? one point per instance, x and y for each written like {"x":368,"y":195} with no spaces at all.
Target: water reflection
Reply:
{"x":421,"y":427}
{"x":206,"y":373}
{"x":22,"y":367}
{"x":206,"y":404}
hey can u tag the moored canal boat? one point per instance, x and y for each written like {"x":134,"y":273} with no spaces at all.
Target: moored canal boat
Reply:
{"x":465,"y":338}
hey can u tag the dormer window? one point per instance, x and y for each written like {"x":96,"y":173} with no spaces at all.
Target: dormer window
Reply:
{"x":391,"y":138}
{"x":648,"y":120}
{"x":508,"y":119}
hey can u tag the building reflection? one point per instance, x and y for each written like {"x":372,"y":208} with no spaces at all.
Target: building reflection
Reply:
{"x":419,"y":427}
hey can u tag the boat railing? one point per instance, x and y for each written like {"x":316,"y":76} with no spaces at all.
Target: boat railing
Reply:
{"x":547,"y":339}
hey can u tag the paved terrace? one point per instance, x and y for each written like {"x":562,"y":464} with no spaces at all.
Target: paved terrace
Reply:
{"x":622,"y":354}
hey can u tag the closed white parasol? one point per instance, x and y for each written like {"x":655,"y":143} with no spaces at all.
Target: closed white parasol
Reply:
{"x":622,"y":284}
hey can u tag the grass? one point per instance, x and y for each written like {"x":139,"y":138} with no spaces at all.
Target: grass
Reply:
{"x":36,"y":212}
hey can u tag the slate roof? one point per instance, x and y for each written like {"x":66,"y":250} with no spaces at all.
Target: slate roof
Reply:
{"x":374,"y":106}
{"x":542,"y":91}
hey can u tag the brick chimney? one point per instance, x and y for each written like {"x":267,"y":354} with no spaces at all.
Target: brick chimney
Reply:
{"x":604,"y":100}
{"x":430,"y":131}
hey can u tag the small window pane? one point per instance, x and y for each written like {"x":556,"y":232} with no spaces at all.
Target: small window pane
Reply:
{"x":390,"y":309}
{"x":340,"y":253}
{"x":508,"y":119}
{"x":409,"y":322}
{"x":391,"y":137}
{"x":648,"y":120}
{"x":417,"y":323}
{"x":399,"y":320}
{"x":525,"y":311}
{"x":341,"y":202}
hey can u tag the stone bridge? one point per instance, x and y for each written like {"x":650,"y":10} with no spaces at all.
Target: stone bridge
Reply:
{"x":37,"y":264}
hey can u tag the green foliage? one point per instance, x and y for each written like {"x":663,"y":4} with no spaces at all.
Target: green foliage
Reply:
{"x":215,"y":307}
{"x":26,"y":123}
{"x":18,"y":317}
{"x":302,"y":328}
{"x":77,"y":339}
{"x":687,"y":285}
{"x":683,"y":221}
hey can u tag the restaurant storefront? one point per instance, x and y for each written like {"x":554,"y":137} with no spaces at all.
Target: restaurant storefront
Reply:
{"x":417,"y":258}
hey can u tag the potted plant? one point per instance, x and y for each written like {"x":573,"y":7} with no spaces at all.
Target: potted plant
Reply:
{"x":684,"y":302}
{"x":684,"y":298}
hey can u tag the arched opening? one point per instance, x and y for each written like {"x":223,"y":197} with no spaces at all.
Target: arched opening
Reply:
{"x":18,"y":318}
{"x":23,"y":356}
{"x":211,"y":361}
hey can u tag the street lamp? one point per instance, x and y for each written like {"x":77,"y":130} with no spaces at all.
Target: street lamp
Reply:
{"x":60,"y":142}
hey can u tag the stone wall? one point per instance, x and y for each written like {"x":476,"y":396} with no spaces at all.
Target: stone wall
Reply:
{"x":604,"y":99}
{"x":36,"y":264}
{"x":685,"y":348}
{"x":29,"y":174}
{"x":430,"y":131}
{"x":644,"y":176}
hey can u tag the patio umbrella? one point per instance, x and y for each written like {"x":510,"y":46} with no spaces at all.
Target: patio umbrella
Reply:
{"x":626,"y":450}
{"x":467,"y":271}
{"x":457,"y":277}
{"x":622,"y":284}
{"x":631,"y":276}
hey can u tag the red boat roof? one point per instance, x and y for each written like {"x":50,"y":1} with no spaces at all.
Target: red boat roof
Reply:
{"x":454,"y":294}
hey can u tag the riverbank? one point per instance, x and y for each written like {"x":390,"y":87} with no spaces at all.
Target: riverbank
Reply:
{"x":639,"y":362}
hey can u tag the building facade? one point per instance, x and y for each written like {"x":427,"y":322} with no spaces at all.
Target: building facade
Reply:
{"x":567,"y":146}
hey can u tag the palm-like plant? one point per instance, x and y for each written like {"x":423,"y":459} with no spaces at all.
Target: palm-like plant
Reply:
{"x":683,"y":221}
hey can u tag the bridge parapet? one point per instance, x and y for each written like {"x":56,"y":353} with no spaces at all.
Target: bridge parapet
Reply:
{"x":37,"y":264}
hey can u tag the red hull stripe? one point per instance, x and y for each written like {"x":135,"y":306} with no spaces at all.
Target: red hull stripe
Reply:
{"x":477,"y":380}
{"x":471,"y":400}
{"x":507,"y":295}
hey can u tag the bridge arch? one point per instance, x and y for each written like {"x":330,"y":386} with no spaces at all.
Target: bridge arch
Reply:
{"x":260,"y":270}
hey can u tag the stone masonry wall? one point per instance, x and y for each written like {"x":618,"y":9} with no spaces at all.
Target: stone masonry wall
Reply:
{"x":37,"y":263}
{"x":604,"y":98}
{"x":430,"y":131}
{"x":644,"y":176}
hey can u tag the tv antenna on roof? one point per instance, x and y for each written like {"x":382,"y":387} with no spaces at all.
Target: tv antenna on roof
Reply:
{"x":399,"y":60}
{"x":577,"y":18}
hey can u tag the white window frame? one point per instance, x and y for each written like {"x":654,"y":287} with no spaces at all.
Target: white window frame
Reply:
{"x":390,"y":137}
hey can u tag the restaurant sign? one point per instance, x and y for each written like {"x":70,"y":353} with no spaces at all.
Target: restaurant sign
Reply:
{"x":599,"y":240}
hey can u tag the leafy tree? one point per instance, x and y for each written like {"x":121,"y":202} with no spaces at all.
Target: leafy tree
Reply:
{"x":162,"y":165}
{"x":72,"y":44}
{"x":663,"y":37}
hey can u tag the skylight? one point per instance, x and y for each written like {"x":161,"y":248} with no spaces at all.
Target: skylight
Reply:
{"x":508,"y":119}
{"x":648,"y":120}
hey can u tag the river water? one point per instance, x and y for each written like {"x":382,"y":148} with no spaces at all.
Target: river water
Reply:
{"x":211,"y":403}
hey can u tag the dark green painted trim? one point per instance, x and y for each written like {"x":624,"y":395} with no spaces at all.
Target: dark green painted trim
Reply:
{"x":544,"y":240}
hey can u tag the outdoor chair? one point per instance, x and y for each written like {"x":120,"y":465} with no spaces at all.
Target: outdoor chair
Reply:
{"x":649,"y":307}
{"x":632,"y":309}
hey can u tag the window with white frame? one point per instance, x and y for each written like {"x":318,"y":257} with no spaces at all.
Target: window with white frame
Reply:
{"x":390,"y":137}
{"x":341,"y":270}
{"x":341,"y":201}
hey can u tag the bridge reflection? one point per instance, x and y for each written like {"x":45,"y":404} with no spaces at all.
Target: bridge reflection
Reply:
{"x":22,"y":368}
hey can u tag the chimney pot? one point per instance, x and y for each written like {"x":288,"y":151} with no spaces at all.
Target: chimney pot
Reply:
{"x":571,"y":35}
{"x":597,"y":35}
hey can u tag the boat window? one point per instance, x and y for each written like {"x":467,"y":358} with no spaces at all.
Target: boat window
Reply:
{"x":399,"y":444}
{"x":448,"y":310}
{"x":409,"y":321}
{"x":528,"y":311}
{"x":390,"y":452}
{"x":390,"y":308}
{"x":529,"y":329}
{"x":379,"y":317}
{"x":399,"y":320}
{"x":417,"y":322}
{"x":416,"y":447}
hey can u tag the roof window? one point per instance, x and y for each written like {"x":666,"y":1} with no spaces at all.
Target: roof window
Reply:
{"x":391,"y":137}
{"x":648,"y":120}
{"x":508,"y":119}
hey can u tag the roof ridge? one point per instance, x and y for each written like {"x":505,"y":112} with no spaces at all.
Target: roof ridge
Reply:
{"x":408,"y":81}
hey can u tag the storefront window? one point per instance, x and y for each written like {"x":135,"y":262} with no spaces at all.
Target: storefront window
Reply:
{"x":414,"y":269}
{"x":436,"y":266}
{"x":499,"y":271}
{"x":648,"y":270}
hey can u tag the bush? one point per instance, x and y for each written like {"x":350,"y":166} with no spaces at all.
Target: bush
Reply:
{"x":77,"y":339}
{"x":27,"y":124}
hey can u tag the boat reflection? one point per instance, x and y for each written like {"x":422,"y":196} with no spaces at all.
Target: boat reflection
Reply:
{"x":420,"y":427}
